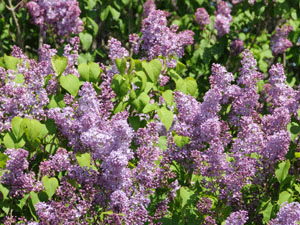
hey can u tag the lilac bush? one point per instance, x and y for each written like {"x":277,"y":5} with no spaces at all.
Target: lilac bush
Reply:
{"x":139,"y":137}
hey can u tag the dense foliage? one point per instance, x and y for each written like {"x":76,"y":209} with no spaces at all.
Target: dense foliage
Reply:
{"x":149,"y":112}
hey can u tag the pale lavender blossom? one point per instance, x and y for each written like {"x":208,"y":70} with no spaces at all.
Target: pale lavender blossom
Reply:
{"x":279,"y":41}
{"x":18,"y":181}
{"x":61,"y":15}
{"x":149,"y":6}
{"x":116,"y":50}
{"x":160,"y":40}
{"x":135,"y":41}
{"x":237,"y":218}
{"x":223,"y":18}
{"x":202,"y":17}
{"x":237,"y":46}
{"x":288,"y":214}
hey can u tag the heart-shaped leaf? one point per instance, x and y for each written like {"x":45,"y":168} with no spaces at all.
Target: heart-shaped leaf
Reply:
{"x":11,"y":62}
{"x":121,"y":65}
{"x":16,"y":127}
{"x":89,"y":72}
{"x":84,"y":159}
{"x":86,"y":40}
{"x":70,"y":83}
{"x":59,"y":64}
{"x":166,"y":117}
{"x":50,"y":185}
{"x":152,"y":69}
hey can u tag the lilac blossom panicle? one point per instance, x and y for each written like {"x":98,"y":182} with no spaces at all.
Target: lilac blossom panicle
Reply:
{"x":251,"y":2}
{"x":61,"y":15}
{"x":245,"y":98}
{"x":69,"y":210}
{"x":116,"y":50}
{"x":237,"y":218}
{"x":202,"y":17}
{"x":279,"y":41}
{"x":135,"y":41}
{"x":57,"y":163}
{"x":27,"y":97}
{"x":149,"y":6}
{"x":223,"y":18}
{"x":289,"y":213}
{"x":160,"y":40}
{"x":15,"y":178}
{"x":278,"y":93}
{"x":237,"y":46}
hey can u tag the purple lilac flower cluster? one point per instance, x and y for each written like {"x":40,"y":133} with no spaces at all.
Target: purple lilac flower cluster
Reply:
{"x":89,"y":129}
{"x":279,"y":41}
{"x":223,"y":18}
{"x":202,"y":17}
{"x":288,"y":214}
{"x":62,"y":16}
{"x":237,"y":218}
{"x":22,"y":90}
{"x":266,"y":137}
{"x":160,"y":40}
{"x":251,"y":2}
{"x":237,"y":46}
{"x":18,"y":181}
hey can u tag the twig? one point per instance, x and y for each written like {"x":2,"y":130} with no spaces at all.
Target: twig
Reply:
{"x":12,"y":9}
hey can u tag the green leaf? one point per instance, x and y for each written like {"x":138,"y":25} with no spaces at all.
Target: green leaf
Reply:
{"x":166,"y":117}
{"x":181,"y":140}
{"x":34,"y":199}
{"x":136,"y":123}
{"x":91,"y":4}
{"x":150,"y":107}
{"x":187,"y":86}
{"x":5,"y":206}
{"x":59,"y":64}
{"x":185,"y":194}
{"x":11,"y":62}
{"x":168,"y":97}
{"x":180,"y":67}
{"x":86,"y":40}
{"x":89,"y":72}
{"x":141,"y":81}
{"x":84,"y":159}
{"x":4,"y":191}
{"x":152,"y":69}
{"x":19,"y":79}
{"x":115,"y":14}
{"x":94,"y":72}
{"x":33,"y":128}
{"x":131,"y":65}
{"x":141,"y":102}
{"x":121,"y":65}
{"x":56,"y":101}
{"x":16,"y":127}
{"x":162,"y":142}
{"x":120,"y":85}
{"x":50,"y":185}
{"x":175,"y":76}
{"x":10,"y":141}
{"x":70,"y":83}
{"x":266,"y":211}
{"x":23,"y":201}
{"x":104,"y":13}
{"x":284,"y":197}
{"x":282,"y":171}
{"x":3,"y":159}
